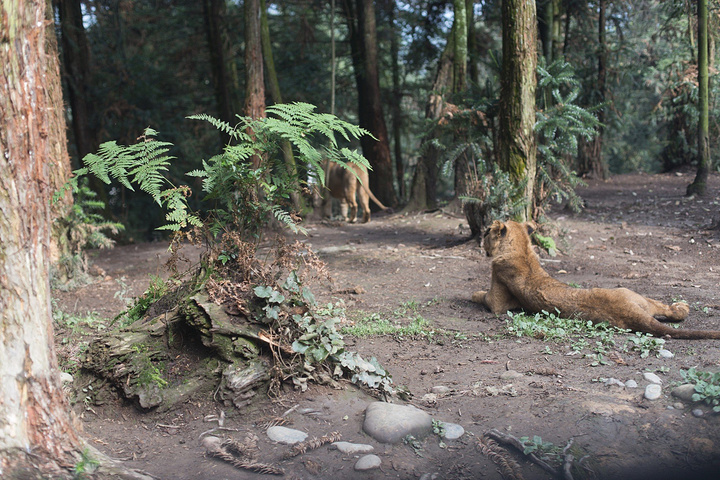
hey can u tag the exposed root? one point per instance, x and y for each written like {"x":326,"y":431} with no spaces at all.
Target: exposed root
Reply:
{"x":224,"y":451}
{"x":509,"y":468}
{"x":312,"y":444}
{"x":515,"y":442}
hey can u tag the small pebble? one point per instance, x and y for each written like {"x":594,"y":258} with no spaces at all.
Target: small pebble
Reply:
{"x":440,"y":389}
{"x":614,"y":381}
{"x":684,"y":392}
{"x":697,"y":412}
{"x":652,"y":378}
{"x":368,"y":462}
{"x":286,"y":435}
{"x":511,"y":375}
{"x":353,"y":448}
{"x":662,"y":353}
{"x":653,"y":391}
{"x":679,"y":405}
{"x":452,"y":431}
{"x":631,"y":384}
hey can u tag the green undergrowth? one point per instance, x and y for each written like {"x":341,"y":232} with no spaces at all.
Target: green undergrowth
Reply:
{"x":404,"y":321}
{"x":707,"y":386}
{"x":593,"y":341}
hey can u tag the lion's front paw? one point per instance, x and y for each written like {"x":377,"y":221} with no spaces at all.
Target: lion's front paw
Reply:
{"x":680,"y":310}
{"x":479,"y":297}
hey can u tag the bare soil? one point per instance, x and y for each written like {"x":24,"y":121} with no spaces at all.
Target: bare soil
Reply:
{"x":638,"y":231}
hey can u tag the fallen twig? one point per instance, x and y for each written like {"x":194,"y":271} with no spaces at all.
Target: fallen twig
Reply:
{"x":515,"y":442}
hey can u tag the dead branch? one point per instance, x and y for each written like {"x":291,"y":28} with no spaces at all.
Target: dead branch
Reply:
{"x":515,"y":442}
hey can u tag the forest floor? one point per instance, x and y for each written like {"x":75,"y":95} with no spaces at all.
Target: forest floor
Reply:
{"x":637,"y":231}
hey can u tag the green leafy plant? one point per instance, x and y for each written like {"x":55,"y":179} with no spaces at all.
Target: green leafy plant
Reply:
{"x":645,"y":344}
{"x":560,"y":124}
{"x":85,"y":467}
{"x":707,"y":386}
{"x":244,"y":193}
{"x":140,"y":305}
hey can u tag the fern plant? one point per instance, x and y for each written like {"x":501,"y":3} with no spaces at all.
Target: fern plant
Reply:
{"x":559,"y":125}
{"x":243,"y":196}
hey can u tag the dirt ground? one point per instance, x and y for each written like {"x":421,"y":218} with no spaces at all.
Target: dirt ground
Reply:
{"x":638,"y":231}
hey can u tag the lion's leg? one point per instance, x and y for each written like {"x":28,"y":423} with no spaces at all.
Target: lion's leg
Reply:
{"x":676,"y":312}
{"x":498,"y":299}
{"x":365,"y":203}
{"x":343,"y":209}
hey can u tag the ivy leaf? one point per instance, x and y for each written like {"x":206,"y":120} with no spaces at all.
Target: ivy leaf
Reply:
{"x":263,"y":292}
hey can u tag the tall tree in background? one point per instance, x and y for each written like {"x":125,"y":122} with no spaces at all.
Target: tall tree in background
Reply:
{"x":590,"y":159}
{"x":276,"y":97}
{"x":35,"y":422}
{"x":76,"y":64}
{"x":518,"y":148}
{"x":254,"y":73}
{"x":224,"y":74}
{"x":396,"y":98}
{"x":459,"y":86}
{"x":360,"y":16}
{"x":699,"y":185}
{"x":423,"y":190}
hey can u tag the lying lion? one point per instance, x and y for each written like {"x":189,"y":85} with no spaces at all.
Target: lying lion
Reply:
{"x":344,"y":184}
{"x":519,"y":282}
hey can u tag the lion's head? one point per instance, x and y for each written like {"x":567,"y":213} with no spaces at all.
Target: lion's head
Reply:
{"x":501,"y":235}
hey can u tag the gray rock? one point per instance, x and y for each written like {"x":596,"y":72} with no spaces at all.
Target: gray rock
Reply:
{"x":390,"y":423}
{"x":430,"y":476}
{"x":511,"y":375}
{"x":652,"y":378}
{"x":678,"y":405}
{"x":353,"y":448}
{"x":697,"y":412}
{"x":452,"y":431}
{"x":653,"y":391}
{"x":684,"y":392}
{"x":286,"y":435}
{"x":631,"y":384}
{"x":662,"y":353}
{"x":440,"y":390}
{"x":614,"y":381}
{"x":65,"y":378}
{"x":368,"y":462}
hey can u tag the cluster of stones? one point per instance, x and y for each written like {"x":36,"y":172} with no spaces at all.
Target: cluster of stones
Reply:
{"x":385,"y":423}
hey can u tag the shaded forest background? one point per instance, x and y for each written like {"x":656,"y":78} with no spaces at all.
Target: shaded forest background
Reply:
{"x":130,"y":64}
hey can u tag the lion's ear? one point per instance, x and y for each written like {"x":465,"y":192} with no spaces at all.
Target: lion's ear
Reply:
{"x":530,"y":228}
{"x":503,"y":230}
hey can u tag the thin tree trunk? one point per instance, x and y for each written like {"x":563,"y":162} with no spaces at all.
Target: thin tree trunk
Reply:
{"x":276,"y":97}
{"x":474,"y":75}
{"x":423,"y":191}
{"x":395,"y":101}
{"x":34,"y":415}
{"x":699,"y":185}
{"x":518,"y":148}
{"x":255,"y":84}
{"x":460,"y":59}
{"x":214,"y":10}
{"x":363,"y":41}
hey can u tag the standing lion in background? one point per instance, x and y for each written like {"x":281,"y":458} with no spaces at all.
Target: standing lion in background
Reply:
{"x":519,"y":282}
{"x":345,"y":184}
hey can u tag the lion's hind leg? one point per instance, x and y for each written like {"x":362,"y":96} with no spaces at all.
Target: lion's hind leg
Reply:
{"x":677,"y":312}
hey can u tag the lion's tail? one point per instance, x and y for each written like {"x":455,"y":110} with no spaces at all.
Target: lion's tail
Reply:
{"x":680,"y":333}
{"x":374,"y":198}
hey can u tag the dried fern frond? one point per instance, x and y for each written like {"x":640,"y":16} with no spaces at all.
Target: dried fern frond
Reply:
{"x":508,"y":467}
{"x":247,"y":448}
{"x":312,"y":444}
{"x":215,"y":448}
{"x":273,"y":422}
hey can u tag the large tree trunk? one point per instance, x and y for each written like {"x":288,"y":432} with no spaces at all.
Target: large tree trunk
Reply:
{"x":699,"y":185}
{"x":363,"y":41}
{"x":518,"y":148}
{"x":34,"y":415}
{"x":395,"y":101}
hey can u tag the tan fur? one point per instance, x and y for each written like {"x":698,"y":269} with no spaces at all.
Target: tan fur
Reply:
{"x":347,"y":183}
{"x":519,"y":282}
